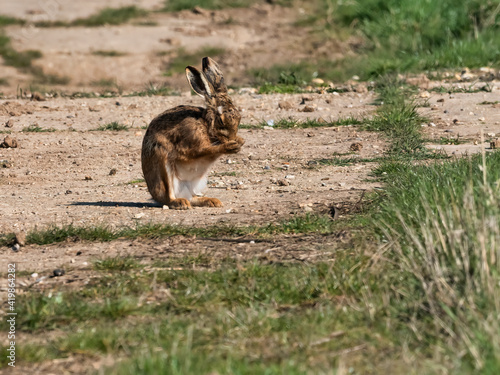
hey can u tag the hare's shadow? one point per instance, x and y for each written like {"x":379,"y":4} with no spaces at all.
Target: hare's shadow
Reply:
{"x":117,"y":204}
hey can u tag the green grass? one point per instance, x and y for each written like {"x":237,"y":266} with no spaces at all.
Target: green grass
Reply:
{"x":153,"y":89}
{"x":55,"y":234}
{"x":34,"y":128}
{"x":291,"y":123}
{"x":184,"y":58}
{"x":7,"y":20}
{"x":109,"y":53}
{"x":113,"y":126}
{"x":438,"y":223}
{"x":111,"y":16}
{"x":407,"y":36}
{"x":15,"y":58}
{"x":177,"y":5}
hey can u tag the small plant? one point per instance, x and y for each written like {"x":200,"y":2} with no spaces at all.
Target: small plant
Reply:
{"x":34,"y":128}
{"x":111,"y":16}
{"x":113,"y":126}
{"x":153,"y":89}
{"x":109,"y":53}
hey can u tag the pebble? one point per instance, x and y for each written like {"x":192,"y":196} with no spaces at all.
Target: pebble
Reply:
{"x":318,"y":81}
{"x":112,"y":172}
{"x":9,"y":124}
{"x":290,"y":176}
{"x":283,"y":182}
{"x":165,"y":207}
{"x":9,"y":142}
{"x":481,"y":119}
{"x":267,"y":167}
{"x":356,"y":146}
{"x":285,"y":105}
{"x":58,"y":272}
{"x":307,"y":108}
{"x":139,"y":215}
{"x":34,"y":275}
{"x":21,"y":238}
{"x":16,"y":247}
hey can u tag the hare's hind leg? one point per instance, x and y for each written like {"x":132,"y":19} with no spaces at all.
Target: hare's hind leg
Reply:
{"x":160,"y":181}
{"x":206,"y":202}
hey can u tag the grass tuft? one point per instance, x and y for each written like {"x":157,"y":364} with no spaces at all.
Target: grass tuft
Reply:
{"x":113,"y":126}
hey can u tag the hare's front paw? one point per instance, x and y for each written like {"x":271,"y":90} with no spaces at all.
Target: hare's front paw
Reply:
{"x":232,"y":147}
{"x":240,"y":141}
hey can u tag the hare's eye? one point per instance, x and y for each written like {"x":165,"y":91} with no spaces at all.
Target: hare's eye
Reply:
{"x":220,"y":109}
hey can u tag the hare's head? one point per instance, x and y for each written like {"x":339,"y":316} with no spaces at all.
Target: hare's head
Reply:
{"x":223,"y":117}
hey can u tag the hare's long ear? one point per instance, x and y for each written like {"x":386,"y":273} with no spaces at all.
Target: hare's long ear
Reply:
{"x":213,"y":73}
{"x":198,"y":82}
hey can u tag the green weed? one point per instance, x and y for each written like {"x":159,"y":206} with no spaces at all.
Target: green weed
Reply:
{"x":113,"y":126}
{"x":34,"y":128}
{"x":109,"y":53}
{"x":111,"y":16}
{"x":177,"y":5}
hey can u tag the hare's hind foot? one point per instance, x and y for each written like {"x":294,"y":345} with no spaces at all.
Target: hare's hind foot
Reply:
{"x":179,"y":204}
{"x":206,"y":202}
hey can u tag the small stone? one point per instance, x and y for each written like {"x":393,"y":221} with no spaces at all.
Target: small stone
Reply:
{"x":5,"y":164}
{"x":361,"y":88}
{"x":307,"y":108}
{"x":165,"y":207}
{"x":455,"y":121}
{"x":34,"y":275}
{"x":200,"y":11}
{"x":290,"y":176}
{"x":318,"y":81}
{"x":9,"y":142}
{"x":308,"y":209}
{"x":16,"y":247}
{"x":79,"y":253}
{"x":356,"y":146}
{"x":283,"y":182}
{"x":139,"y":215}
{"x":285,"y":105}
{"x":267,"y":167}
{"x":425,"y":94}
{"x":440,"y":100}
{"x":491,"y":135}
{"x":88,"y":178}
{"x":58,"y":272}
{"x":37,"y":97}
{"x":118,"y":103}
{"x":9,"y":124}
{"x":112,"y":172}
{"x":495,"y":144}
{"x":481,"y":119}
{"x":21,"y":238}
{"x":422,"y":81}
{"x":432,"y":124}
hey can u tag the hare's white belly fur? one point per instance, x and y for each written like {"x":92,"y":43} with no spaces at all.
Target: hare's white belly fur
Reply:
{"x":190,"y":179}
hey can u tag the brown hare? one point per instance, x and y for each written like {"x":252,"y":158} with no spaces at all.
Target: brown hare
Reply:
{"x":182,"y":143}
